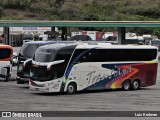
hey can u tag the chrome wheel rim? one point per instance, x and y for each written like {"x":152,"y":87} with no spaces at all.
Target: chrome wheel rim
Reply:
{"x":70,"y":89}
{"x":126,"y":86}
{"x":136,"y":85}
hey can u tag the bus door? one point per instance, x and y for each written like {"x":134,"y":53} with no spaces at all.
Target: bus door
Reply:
{"x":89,"y":75}
{"x":75,"y":75}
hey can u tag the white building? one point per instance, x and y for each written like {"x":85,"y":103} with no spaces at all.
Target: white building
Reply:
{"x":35,"y":30}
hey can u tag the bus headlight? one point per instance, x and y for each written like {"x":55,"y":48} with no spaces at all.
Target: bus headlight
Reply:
{"x":47,"y":84}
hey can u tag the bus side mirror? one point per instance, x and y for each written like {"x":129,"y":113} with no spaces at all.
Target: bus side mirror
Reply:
{"x":54,"y":63}
{"x":14,"y":60}
{"x":27,"y":63}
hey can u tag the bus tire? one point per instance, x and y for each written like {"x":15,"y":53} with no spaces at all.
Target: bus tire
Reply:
{"x":71,"y":88}
{"x":126,"y":85}
{"x":136,"y":84}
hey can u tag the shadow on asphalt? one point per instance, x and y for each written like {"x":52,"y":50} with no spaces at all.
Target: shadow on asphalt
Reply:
{"x":149,"y":88}
{"x":78,"y":93}
{"x":24,"y":87}
{"x":49,"y":94}
{"x":91,"y":91}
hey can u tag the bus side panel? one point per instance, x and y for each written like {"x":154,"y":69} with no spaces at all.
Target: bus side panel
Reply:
{"x":113,"y":76}
{"x":147,"y":74}
{"x":120,"y":72}
{"x":88,"y":74}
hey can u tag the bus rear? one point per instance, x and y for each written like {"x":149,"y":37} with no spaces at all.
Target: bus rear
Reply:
{"x":6,"y":53}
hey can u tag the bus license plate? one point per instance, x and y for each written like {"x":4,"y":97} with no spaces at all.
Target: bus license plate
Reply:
{"x":37,"y":89}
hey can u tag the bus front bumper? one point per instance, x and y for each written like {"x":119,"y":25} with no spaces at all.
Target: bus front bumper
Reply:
{"x":39,"y":89}
{"x":22,"y":80}
{"x":44,"y":86}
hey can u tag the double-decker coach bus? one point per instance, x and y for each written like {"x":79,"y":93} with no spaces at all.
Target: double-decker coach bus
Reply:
{"x":6,"y":53}
{"x":93,"y":67}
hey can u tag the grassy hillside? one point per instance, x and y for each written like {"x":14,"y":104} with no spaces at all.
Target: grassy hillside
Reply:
{"x":81,"y":9}
{"x":108,"y":10}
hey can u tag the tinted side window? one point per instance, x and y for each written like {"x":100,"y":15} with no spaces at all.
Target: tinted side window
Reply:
{"x":77,"y":55}
{"x":113,"y":55}
{"x":64,"y":54}
{"x":143,"y":54}
{"x":5,"y":53}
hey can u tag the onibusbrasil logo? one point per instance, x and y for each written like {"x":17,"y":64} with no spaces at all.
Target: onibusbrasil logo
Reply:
{"x":21,"y":114}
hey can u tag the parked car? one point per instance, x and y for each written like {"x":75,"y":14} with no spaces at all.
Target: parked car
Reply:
{"x":156,"y":43}
{"x":81,"y":38}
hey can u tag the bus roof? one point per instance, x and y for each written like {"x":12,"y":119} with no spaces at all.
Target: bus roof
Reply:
{"x":38,"y":42}
{"x":6,"y":46}
{"x":28,"y":49}
{"x":56,"y":46}
{"x":86,"y":46}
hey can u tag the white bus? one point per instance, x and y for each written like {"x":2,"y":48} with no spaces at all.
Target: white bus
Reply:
{"x":71,"y":68}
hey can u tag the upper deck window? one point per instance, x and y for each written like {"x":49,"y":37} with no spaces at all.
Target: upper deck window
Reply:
{"x":114,"y":55}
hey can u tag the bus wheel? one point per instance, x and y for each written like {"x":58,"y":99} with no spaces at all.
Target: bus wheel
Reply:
{"x":136,"y":85}
{"x":126,"y":85}
{"x":71,"y":88}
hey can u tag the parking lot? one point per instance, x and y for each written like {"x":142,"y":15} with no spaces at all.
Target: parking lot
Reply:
{"x":19,"y":98}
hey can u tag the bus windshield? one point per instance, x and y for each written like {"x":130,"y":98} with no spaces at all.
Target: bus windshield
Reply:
{"x":28,"y":50}
{"x":43,"y":55}
{"x":40,"y":73}
{"x":50,"y":53}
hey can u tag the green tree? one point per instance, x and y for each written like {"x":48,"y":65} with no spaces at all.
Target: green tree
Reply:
{"x":1,"y":9}
{"x":59,"y":2}
{"x":157,"y":33}
{"x":1,"y":12}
